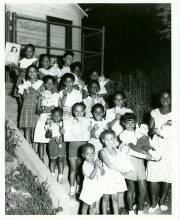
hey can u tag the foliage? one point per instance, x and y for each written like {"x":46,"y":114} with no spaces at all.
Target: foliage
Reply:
{"x":24,"y":194}
{"x":11,"y":142}
{"x":164,"y":12}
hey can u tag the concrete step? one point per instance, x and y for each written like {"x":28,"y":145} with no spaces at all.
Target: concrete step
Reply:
{"x":58,"y":192}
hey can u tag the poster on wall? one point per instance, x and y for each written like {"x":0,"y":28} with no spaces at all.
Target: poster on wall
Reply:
{"x":12,"y":53}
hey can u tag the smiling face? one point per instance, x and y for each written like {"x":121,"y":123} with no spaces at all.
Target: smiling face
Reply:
{"x":57,"y":117}
{"x":109,"y":140}
{"x":94,"y":89}
{"x":130,"y":125}
{"x":68,"y":82}
{"x":98,"y":114}
{"x":165,"y":100}
{"x":79,"y":111}
{"x":119,"y":100}
{"x":49,"y":85}
{"x":32,"y":73}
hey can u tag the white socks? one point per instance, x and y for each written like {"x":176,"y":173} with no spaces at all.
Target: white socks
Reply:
{"x":140,"y":212}
{"x":72,"y":189}
{"x":131,"y":212}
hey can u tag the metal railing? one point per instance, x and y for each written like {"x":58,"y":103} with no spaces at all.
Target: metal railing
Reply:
{"x":86,"y":33}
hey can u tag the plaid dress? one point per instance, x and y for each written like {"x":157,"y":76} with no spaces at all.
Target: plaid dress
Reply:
{"x":28,"y":117}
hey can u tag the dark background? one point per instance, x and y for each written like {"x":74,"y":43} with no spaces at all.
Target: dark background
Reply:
{"x":137,"y":36}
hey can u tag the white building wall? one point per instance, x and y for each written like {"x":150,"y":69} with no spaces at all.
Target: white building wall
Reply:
{"x":36,"y":33}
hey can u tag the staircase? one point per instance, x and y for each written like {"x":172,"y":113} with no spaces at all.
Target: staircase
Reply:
{"x":27,"y":156}
{"x":11,"y":106}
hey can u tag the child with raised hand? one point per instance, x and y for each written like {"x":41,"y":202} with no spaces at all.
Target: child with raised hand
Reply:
{"x":129,"y":140}
{"x":69,"y":96}
{"x":46,"y":69}
{"x":28,"y":60}
{"x":30,"y":90}
{"x":92,"y":171}
{"x":57,"y":148}
{"x":93,"y":97}
{"x":78,"y":111}
{"x":46,"y":102}
{"x":160,"y":126}
{"x":113,"y":179}
{"x":114,"y":114}
{"x":98,"y":125}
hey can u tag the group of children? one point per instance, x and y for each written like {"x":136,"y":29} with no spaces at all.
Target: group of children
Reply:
{"x":112,"y":159}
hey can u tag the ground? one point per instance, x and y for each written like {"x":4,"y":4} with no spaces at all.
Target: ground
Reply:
{"x":74,"y":206}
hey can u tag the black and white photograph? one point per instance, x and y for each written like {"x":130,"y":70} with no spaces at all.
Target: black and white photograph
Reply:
{"x":88,"y":117}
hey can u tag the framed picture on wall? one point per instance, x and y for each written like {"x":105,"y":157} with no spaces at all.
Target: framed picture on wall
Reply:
{"x":12,"y":53}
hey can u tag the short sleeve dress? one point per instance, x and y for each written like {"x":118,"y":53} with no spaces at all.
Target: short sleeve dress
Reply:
{"x":91,"y":190}
{"x":28,"y":116}
{"x":138,"y":173}
{"x":113,"y":181}
{"x":24,"y":63}
{"x":96,"y":141}
{"x":161,"y":171}
{"x":48,"y":99}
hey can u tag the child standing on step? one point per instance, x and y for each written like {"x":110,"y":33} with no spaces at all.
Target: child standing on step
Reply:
{"x":30,"y":90}
{"x":98,"y":125}
{"x":57,"y":148}
{"x":75,"y":159}
{"x":69,"y":96}
{"x":92,"y":171}
{"x":46,"y":69}
{"x":114,"y":114}
{"x":46,"y":102}
{"x":113,"y":179}
{"x":28,"y":60}
{"x":138,"y":175}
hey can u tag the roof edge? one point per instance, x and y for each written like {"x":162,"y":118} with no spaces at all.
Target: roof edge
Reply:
{"x":83,"y":12}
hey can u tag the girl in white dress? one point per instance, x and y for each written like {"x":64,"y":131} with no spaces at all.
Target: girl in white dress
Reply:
{"x":113,"y":179}
{"x":98,"y":125}
{"x":114,"y":114}
{"x":160,"y":126}
{"x":46,"y":102}
{"x":92,"y":171}
{"x":24,"y":63}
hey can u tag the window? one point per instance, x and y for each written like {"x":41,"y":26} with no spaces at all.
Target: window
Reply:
{"x":58,"y":36}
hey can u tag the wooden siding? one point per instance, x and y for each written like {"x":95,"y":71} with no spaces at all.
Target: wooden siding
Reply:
{"x":35,"y":32}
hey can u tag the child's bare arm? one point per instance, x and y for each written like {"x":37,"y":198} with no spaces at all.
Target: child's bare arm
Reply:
{"x":63,"y":100}
{"x":137,"y":149}
{"x":38,"y":106}
{"x":105,"y":159}
{"x":96,"y":167}
{"x":102,"y":171}
{"x":111,"y":123}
